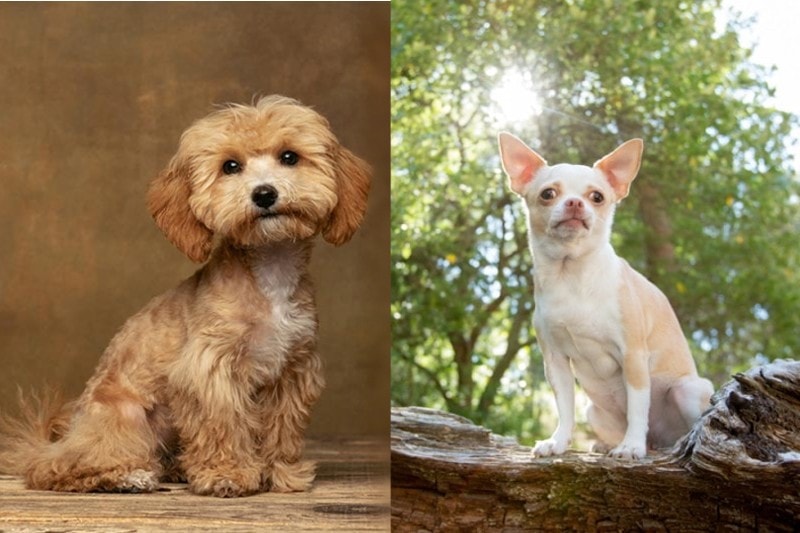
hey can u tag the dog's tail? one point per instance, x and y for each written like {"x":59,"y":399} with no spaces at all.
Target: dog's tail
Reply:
{"x":43,"y":419}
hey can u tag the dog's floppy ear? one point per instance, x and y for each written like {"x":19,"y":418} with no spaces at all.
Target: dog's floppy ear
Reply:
{"x":520,"y":163}
{"x":622,"y":165}
{"x":353,"y":177}
{"x":168,"y":201}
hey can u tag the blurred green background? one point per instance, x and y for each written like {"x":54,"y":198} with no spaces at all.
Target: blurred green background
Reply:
{"x":712,"y":218}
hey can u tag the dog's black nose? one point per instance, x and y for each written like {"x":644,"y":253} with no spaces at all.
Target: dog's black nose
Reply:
{"x":264,"y":196}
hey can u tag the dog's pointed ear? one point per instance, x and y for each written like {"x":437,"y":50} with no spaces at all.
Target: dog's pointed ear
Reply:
{"x":520,"y":163}
{"x":168,"y":202}
{"x":353,"y":182}
{"x":622,"y":165}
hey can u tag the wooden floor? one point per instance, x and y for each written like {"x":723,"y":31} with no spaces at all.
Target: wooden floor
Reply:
{"x":351,"y":493}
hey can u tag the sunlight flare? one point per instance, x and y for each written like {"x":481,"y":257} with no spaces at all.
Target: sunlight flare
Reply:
{"x":515,"y":97}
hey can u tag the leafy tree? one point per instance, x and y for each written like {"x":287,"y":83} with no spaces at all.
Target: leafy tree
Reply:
{"x":711,"y":218}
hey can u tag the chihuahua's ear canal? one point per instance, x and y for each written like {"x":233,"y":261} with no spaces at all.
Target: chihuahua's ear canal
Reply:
{"x":353,"y":175}
{"x":168,"y":202}
{"x":622,"y":165}
{"x":520,"y":163}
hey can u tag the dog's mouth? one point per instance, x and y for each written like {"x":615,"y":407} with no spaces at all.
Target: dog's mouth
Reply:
{"x":573,"y":223}
{"x":272,"y":212}
{"x":280,"y":214}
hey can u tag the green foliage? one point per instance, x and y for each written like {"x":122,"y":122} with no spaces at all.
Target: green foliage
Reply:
{"x":711,"y":218}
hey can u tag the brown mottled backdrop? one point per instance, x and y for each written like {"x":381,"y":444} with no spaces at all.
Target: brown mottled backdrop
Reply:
{"x":93,"y":98}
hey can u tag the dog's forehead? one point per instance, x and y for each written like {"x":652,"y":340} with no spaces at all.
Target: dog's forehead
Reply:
{"x":568,"y":171}
{"x":259,"y":130}
{"x":569,"y":175}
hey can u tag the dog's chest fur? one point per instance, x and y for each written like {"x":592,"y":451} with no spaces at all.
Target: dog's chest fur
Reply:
{"x":578,"y":316}
{"x":249,"y":316}
{"x":290,"y":317}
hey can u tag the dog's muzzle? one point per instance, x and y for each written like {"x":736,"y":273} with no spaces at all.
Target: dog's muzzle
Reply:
{"x":264,"y":196}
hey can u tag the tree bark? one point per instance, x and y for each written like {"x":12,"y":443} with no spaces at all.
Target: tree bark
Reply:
{"x":737,"y":470}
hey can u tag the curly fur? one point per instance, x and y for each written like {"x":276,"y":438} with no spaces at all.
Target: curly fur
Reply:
{"x":213,"y":381}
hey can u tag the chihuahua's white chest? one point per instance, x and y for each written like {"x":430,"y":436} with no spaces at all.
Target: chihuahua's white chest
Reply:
{"x":578,"y":317}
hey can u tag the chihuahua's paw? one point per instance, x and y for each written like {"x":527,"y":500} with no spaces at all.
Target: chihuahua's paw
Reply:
{"x":551,"y":446}
{"x":600,"y":447}
{"x":628,"y":452}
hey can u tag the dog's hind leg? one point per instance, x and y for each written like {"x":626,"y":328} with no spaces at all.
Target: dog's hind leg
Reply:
{"x":109,"y":446}
{"x":691,"y":396}
{"x":608,"y":428}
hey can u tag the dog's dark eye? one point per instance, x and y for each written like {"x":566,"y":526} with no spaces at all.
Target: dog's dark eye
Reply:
{"x":548,"y":194}
{"x":596,"y":197}
{"x":231,"y":167}
{"x":289,"y":158}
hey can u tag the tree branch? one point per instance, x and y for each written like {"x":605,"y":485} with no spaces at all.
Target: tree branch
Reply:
{"x":513,"y":346}
{"x":433,"y":378}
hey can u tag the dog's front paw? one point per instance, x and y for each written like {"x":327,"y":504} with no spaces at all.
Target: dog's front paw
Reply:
{"x":551,"y":446}
{"x":225,"y":485}
{"x":291,"y":477}
{"x":628,"y":452}
{"x":225,"y":488}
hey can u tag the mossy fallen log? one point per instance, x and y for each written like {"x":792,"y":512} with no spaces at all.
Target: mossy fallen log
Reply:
{"x":737,"y":470}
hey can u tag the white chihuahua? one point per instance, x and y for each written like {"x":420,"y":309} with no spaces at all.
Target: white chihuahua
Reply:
{"x":595,"y":315}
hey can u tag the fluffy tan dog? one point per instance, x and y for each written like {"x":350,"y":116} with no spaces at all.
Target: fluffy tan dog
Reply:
{"x":213,"y":381}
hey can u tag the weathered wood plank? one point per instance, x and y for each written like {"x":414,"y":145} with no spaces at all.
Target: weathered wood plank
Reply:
{"x":738,"y":470}
{"x":351,"y":493}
